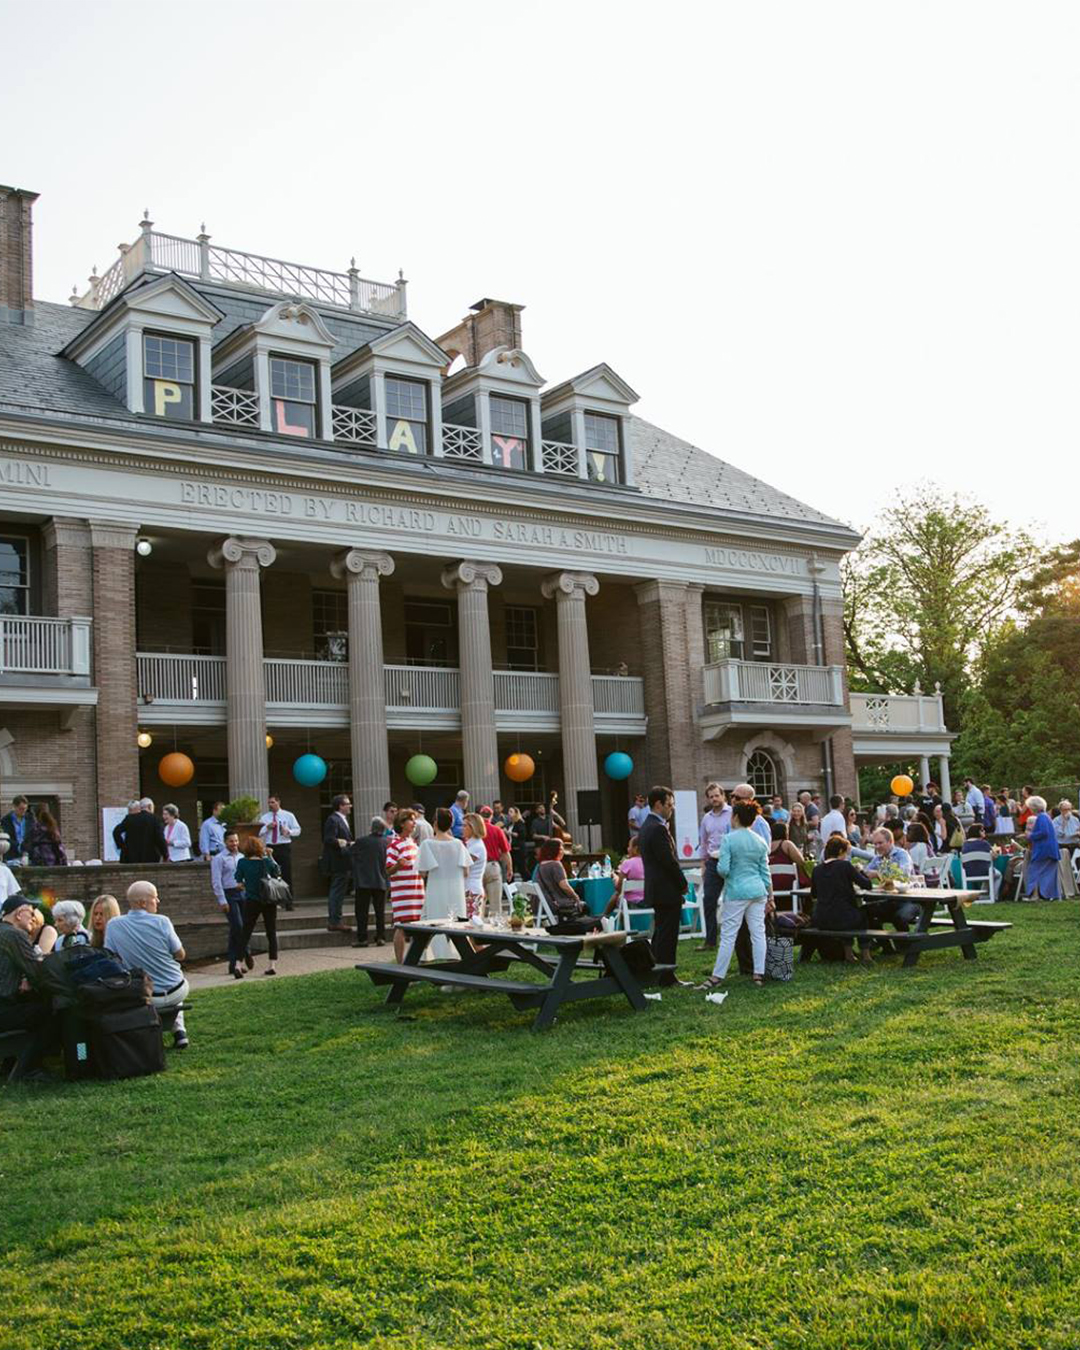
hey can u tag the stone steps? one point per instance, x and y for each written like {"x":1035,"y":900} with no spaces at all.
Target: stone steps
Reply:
{"x":296,"y":939}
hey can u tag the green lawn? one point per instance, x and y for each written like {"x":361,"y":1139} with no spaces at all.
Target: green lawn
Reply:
{"x":884,"y":1158}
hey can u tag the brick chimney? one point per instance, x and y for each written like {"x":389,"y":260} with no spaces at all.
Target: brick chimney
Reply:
{"x":16,"y":255}
{"x":492,"y":323}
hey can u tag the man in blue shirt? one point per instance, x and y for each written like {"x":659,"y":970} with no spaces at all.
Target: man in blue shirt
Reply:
{"x":212,"y":833}
{"x":638,"y":814}
{"x":143,"y":937}
{"x":779,"y":810}
{"x":458,"y":812}
{"x":989,"y":816}
{"x":896,"y":909}
{"x":16,"y":825}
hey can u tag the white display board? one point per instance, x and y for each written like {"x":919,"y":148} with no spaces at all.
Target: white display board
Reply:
{"x":687,"y":826}
{"x":111,"y":816}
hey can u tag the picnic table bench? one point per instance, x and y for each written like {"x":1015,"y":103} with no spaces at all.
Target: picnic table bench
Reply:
{"x":479,"y":967}
{"x":929,"y":933}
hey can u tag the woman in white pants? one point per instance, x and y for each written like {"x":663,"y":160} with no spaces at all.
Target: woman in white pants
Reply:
{"x":744,"y":865}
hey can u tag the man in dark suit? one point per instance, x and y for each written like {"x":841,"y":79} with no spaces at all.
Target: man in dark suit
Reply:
{"x":665,"y":884}
{"x":140,"y":836}
{"x":336,"y":861}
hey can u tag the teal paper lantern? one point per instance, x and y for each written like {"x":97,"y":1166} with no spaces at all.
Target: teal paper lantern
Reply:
{"x":618,"y":766}
{"x":421,"y":770}
{"x":309,"y":770}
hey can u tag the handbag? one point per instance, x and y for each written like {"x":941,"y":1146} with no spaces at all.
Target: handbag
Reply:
{"x":779,"y":955}
{"x":275,"y":891}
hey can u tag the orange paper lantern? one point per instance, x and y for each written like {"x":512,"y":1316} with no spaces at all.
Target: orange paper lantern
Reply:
{"x":902,"y":785}
{"x":176,"y":769}
{"x":519,"y":768}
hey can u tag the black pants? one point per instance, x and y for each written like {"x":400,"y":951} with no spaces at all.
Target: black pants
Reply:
{"x":368,"y":896}
{"x":665,"y":938}
{"x":35,"y":1016}
{"x":712,"y":885}
{"x":252,"y":910}
{"x":744,"y":950}
{"x":282,"y":855}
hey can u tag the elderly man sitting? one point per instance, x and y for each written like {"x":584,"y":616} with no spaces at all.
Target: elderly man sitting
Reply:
{"x":23,"y":1004}
{"x":143,"y":937}
{"x":895,"y":909}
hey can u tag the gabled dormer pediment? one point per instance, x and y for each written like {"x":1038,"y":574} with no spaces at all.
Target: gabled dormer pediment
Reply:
{"x":167,"y":303}
{"x":406,"y":349}
{"x":599,"y":385}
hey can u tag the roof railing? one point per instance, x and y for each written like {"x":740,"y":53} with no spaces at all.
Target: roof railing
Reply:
{"x":202,"y":260}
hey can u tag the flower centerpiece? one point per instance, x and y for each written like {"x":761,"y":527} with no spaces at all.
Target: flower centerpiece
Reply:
{"x":890,"y":876}
{"x":520,"y":912}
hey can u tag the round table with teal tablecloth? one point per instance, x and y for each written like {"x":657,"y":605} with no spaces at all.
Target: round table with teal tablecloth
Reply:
{"x":595,"y":891}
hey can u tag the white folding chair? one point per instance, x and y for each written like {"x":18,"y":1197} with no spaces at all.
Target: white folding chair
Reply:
{"x":935,"y":870}
{"x":785,"y":880}
{"x":625,"y":912}
{"x":1075,"y":863}
{"x":540,"y":906}
{"x":693,"y":903}
{"x":978,"y":873}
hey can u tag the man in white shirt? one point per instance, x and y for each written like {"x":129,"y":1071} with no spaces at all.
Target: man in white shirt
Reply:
{"x":230,"y":897}
{"x":278,"y":828}
{"x":638,"y":814}
{"x":833,"y":821}
{"x":422,"y":828}
{"x":973,"y":799}
{"x":1067,"y":824}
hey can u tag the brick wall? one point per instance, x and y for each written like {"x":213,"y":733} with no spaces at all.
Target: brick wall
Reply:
{"x":114,"y":661}
{"x":44,"y":752}
{"x":671,"y":656}
{"x":163,"y":607}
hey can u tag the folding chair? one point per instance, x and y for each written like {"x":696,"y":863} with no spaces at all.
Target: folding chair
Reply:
{"x":978,"y":873}
{"x":935,"y":870}
{"x":692,"y":917}
{"x":785,"y":881}
{"x":626,"y":914}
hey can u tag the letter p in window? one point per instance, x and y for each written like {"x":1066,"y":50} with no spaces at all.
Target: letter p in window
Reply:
{"x":164,"y":395}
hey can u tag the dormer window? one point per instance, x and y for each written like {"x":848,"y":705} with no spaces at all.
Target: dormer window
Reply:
{"x":292,"y":396}
{"x":406,"y":416}
{"x":169,"y":377}
{"x":509,"y":432}
{"x":602,"y":447}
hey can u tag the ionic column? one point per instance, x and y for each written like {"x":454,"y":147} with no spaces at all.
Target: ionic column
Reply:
{"x":241,"y":560}
{"x":367,"y":696}
{"x":480,"y":747}
{"x":575,"y":687}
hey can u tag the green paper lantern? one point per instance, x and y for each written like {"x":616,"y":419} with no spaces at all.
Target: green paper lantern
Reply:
{"x":421,"y":770}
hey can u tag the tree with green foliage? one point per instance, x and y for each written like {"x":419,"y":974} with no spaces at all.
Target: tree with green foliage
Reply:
{"x":925,"y":593}
{"x":1021,"y":719}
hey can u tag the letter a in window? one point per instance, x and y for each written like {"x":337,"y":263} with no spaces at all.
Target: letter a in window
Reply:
{"x":402,"y":438}
{"x":164,"y":394}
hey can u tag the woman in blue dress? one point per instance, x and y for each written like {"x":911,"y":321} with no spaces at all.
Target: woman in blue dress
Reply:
{"x":1042,"y":880}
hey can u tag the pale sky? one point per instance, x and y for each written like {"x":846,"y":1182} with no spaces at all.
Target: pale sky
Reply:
{"x":834,"y":244}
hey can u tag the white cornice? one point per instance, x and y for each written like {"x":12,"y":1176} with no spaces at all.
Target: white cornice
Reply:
{"x":534,"y":497}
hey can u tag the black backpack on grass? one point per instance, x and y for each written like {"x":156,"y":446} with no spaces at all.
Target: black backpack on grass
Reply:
{"x":128,"y":1043}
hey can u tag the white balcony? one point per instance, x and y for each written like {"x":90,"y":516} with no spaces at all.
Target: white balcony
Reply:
{"x":186,"y":689}
{"x":771,"y":694}
{"x":45,"y":662}
{"x":899,"y":724}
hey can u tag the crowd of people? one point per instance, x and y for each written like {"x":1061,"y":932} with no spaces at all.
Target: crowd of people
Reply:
{"x":755,"y":856}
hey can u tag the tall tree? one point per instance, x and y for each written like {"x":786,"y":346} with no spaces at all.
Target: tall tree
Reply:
{"x":925,"y":593}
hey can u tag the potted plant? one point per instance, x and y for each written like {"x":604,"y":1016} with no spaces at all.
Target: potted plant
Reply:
{"x":891,"y":876}
{"x":241,"y":815}
{"x":519,"y":914}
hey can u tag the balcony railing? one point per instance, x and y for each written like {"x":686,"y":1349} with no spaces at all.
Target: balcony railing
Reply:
{"x":768,"y":682}
{"x":205,"y":261}
{"x":234,"y":407}
{"x":44,"y":646}
{"x":355,"y":426}
{"x":193,"y":688}
{"x":897,"y":713}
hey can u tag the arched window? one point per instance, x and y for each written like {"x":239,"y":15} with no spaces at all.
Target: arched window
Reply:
{"x":761,"y":774}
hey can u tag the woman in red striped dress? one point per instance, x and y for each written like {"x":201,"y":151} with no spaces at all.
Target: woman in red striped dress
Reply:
{"x":406,"y":885}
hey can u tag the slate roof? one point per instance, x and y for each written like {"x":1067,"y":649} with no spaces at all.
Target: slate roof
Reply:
{"x":34,"y":380}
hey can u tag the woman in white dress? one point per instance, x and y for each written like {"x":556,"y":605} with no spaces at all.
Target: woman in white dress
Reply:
{"x":473,"y":833}
{"x":444,"y":863}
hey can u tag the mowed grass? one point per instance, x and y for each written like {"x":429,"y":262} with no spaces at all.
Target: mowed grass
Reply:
{"x":857,"y":1159}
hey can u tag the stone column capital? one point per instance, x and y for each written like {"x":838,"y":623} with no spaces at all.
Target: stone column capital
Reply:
{"x":567,"y":585}
{"x":240,"y":551}
{"x":362,"y":563}
{"x":472,"y":575}
{"x":65,"y":532}
{"x":113,"y":534}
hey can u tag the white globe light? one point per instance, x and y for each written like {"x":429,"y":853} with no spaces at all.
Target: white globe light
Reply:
{"x":144,"y":548}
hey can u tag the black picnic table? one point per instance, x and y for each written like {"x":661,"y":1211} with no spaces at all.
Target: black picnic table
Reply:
{"x":477,"y":967}
{"x":929,"y":933}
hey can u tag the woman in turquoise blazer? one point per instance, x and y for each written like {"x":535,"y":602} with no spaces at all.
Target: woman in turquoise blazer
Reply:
{"x":744,"y":865}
